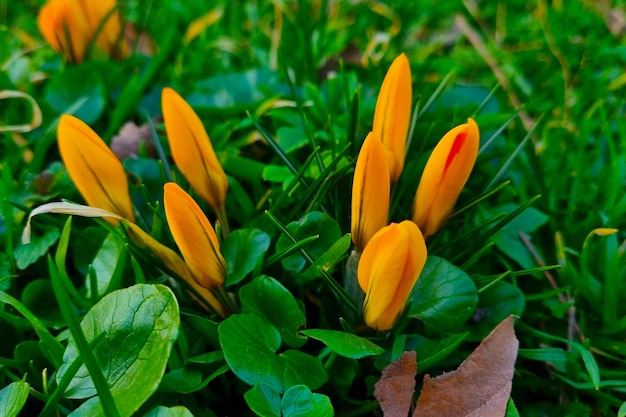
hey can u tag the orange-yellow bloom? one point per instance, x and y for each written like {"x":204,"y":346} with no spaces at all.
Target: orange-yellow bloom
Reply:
{"x":194,"y":236}
{"x":94,"y":169}
{"x":192,"y":150}
{"x":72,"y":26}
{"x":388,"y":269}
{"x":393,"y":114}
{"x":370,"y":191}
{"x":444,"y":176}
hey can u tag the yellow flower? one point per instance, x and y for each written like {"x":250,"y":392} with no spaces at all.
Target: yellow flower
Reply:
{"x":444,"y":176}
{"x":388,"y":269}
{"x":192,"y":151}
{"x":370,"y":191}
{"x":94,"y":169}
{"x":194,"y":236}
{"x":72,"y":26}
{"x":393,"y":114}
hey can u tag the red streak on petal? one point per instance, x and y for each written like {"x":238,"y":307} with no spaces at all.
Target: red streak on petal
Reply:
{"x":459,"y":141}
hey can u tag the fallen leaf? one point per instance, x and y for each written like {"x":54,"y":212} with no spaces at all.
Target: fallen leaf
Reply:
{"x":394,"y":390}
{"x":127,"y":142}
{"x":481,"y":385}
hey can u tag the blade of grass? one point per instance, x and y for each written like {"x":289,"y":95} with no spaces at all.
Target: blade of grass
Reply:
{"x":68,"y":313}
{"x":328,"y":279}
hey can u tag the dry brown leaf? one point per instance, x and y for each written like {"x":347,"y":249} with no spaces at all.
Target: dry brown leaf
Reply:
{"x":394,"y":390}
{"x":129,"y":140}
{"x":481,"y":385}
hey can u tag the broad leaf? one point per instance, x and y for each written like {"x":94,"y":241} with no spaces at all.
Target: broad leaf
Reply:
{"x":79,"y":91}
{"x":13,"y":397}
{"x":243,"y":250}
{"x":268,"y":298}
{"x":263,"y":400}
{"x":299,"y":401}
{"x":178,"y":411}
{"x":345,"y":344}
{"x":444,"y":296}
{"x":314,"y":223}
{"x":135,"y":329}
{"x":250,"y":345}
{"x":29,"y":253}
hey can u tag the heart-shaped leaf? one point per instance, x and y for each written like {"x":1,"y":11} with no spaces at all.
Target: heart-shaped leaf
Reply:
{"x":242,"y":251}
{"x":250,"y":345}
{"x":134,"y":329}
{"x":268,"y":298}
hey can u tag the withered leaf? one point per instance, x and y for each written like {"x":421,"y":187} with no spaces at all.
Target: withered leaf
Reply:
{"x":394,"y":390}
{"x":481,"y":385}
{"x":127,"y":142}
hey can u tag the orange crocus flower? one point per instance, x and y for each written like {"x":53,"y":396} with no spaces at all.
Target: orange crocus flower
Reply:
{"x":194,"y":236}
{"x":388,"y":269}
{"x":393,"y":114}
{"x":72,"y":26}
{"x":94,"y":169}
{"x":370,"y":191}
{"x":444,"y":176}
{"x":192,"y":151}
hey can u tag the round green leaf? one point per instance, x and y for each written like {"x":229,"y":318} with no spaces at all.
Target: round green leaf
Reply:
{"x":345,"y":344}
{"x":313,"y":223}
{"x":13,"y":397}
{"x":134,"y":330}
{"x":496,"y":303}
{"x":160,"y":411}
{"x":299,"y":401}
{"x":268,"y":298}
{"x":444,"y":296}
{"x":242,"y":251}
{"x":263,"y":400}
{"x":249,"y":345}
{"x":79,"y":91}
{"x":36,"y":297}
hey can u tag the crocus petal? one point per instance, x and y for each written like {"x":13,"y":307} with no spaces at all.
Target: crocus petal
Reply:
{"x":194,"y":236}
{"x":94,"y":169}
{"x":108,"y":38}
{"x":192,"y":150}
{"x":393,"y":114}
{"x":388,"y":269}
{"x":444,"y":176}
{"x":370,"y":191}
{"x":63,"y":26}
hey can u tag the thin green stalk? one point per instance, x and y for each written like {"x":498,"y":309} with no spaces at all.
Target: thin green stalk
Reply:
{"x":67,"y":311}
{"x":328,"y":279}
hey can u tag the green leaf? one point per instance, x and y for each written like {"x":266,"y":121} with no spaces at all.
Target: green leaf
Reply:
{"x":314,"y":223}
{"x":109,"y":259}
{"x":511,"y":410}
{"x":139,"y":324}
{"x":327,"y":260}
{"x":36,"y":297}
{"x":263,"y":400}
{"x":508,"y":239}
{"x":299,"y":401}
{"x":249,"y":345}
{"x":434,"y":351}
{"x":79,"y":91}
{"x":268,"y":298}
{"x":291,"y":138}
{"x":345,"y":344}
{"x":160,"y":411}
{"x":28,"y":254}
{"x":243,"y":250}
{"x":496,"y":303}
{"x":444,"y":296}
{"x":13,"y":397}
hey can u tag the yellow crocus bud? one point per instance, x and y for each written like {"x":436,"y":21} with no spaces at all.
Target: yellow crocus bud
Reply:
{"x":370,"y":191}
{"x":444,"y":176}
{"x":94,"y":169}
{"x":194,"y":236}
{"x":393,"y":114}
{"x":72,"y":26}
{"x":388,"y":269}
{"x":192,"y":151}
